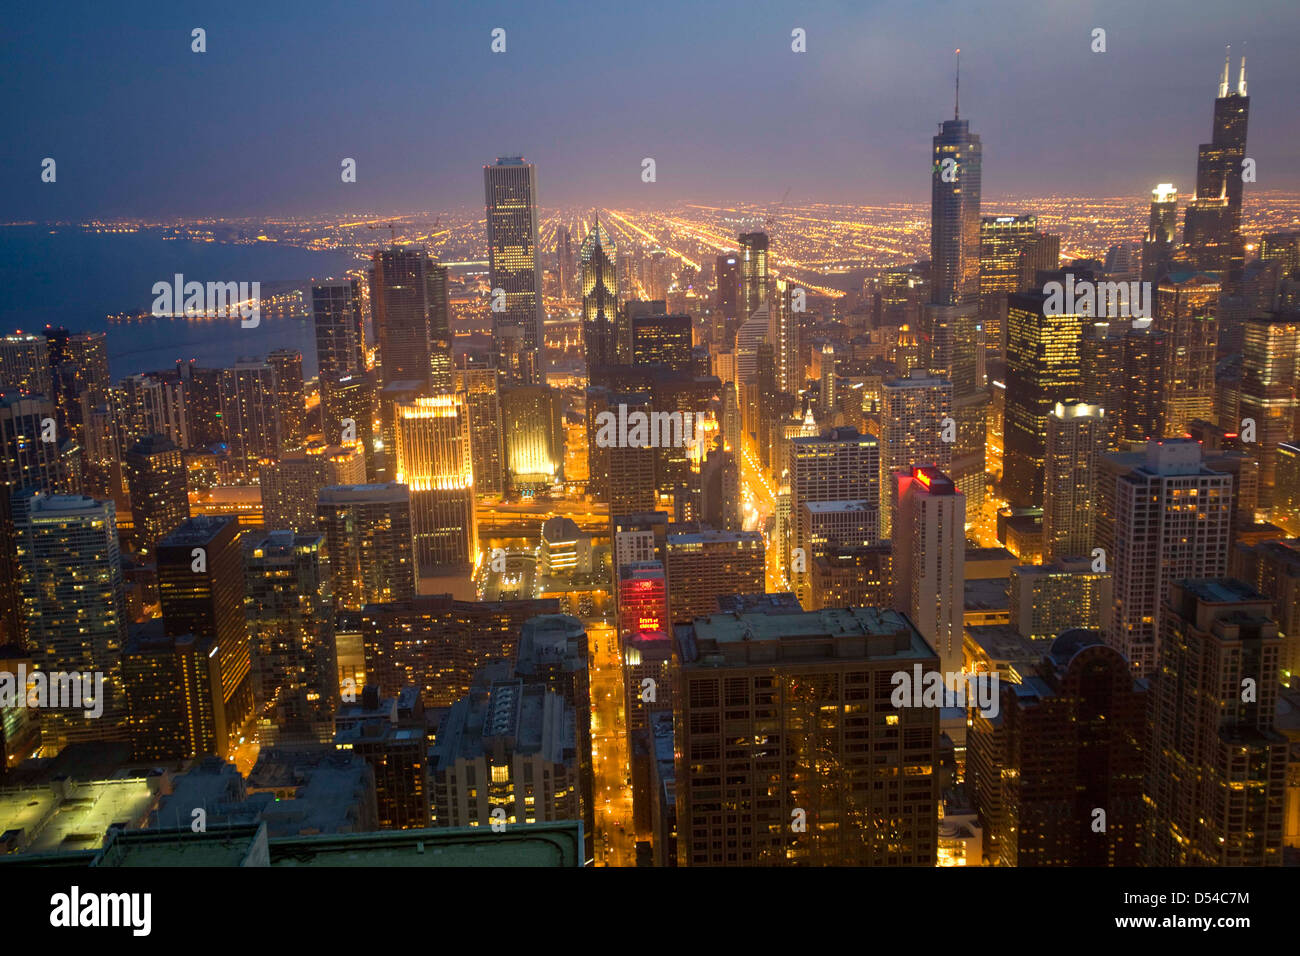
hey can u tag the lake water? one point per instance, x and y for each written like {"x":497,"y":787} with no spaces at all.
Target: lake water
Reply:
{"x":64,"y":276}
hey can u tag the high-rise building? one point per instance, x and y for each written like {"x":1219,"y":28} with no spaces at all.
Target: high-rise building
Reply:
{"x":853,"y":577}
{"x":1216,"y":770}
{"x":599,"y":298}
{"x":156,"y":477}
{"x":534,"y":441}
{"x":1185,"y":312}
{"x":706,"y":563}
{"x":754,"y":287}
{"x":435,"y":643}
{"x":73,"y":608}
{"x":203,"y":406}
{"x":290,"y":398}
{"x":1172,"y":517}
{"x":369,"y":543}
{"x":1273,"y":569}
{"x":290,"y":617}
{"x":662,"y":340}
{"x":1049,"y":599}
{"x":27,"y":458}
{"x":340,"y":329}
{"x":1270,"y":377}
{"x":250,"y":408}
{"x":1140,"y":413}
{"x":929,"y":559}
{"x":1212,"y":230}
{"x":80,"y":377}
{"x":1043,"y":370}
{"x":173,"y":689}
{"x":553,"y":650}
{"x":1003,"y":241}
{"x":478,"y":390}
{"x":726,"y":299}
{"x":25,"y":364}
{"x":509,"y":745}
{"x":796,"y":797}
{"x":390,"y":734}
{"x":1162,"y":229}
{"x":156,"y":403}
{"x":434,"y":461}
{"x":348,"y":413}
{"x":912,"y":431}
{"x":1076,"y":436}
{"x":406,"y":305}
{"x":510,"y":187}
{"x":201,"y":592}
{"x":840,"y":466}
{"x":291,"y":483}
{"x":1065,"y":744}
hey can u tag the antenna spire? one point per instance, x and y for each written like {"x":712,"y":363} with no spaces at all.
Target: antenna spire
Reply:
{"x":1223,"y":83}
{"x":956,"y":106}
{"x":1241,"y":79}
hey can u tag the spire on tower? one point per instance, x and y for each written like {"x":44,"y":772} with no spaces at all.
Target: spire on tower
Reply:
{"x":956,"y":106}
{"x":1241,"y":79}
{"x":1223,"y":83}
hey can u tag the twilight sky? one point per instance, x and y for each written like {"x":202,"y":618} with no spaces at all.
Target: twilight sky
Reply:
{"x":258,"y":125}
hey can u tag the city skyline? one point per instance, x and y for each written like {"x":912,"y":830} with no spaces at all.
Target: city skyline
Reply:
{"x":1049,"y":108}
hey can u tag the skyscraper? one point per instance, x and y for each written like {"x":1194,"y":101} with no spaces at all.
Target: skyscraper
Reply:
{"x":1003,"y":241}
{"x":929,"y":559}
{"x":73,"y":606}
{"x":1076,"y":436}
{"x":289,"y":397}
{"x":662,"y":340}
{"x":534,"y":443}
{"x":1043,"y":370}
{"x":794,"y":797}
{"x":912,"y":431}
{"x":1216,"y":767}
{"x":1162,"y":229}
{"x":599,"y":298}
{"x":405,"y":306}
{"x":1172,"y":517}
{"x":434,"y":462}
{"x":201,"y":592}
{"x":340,"y":328}
{"x":250,"y":408}
{"x":754,"y":287}
{"x":478,"y":390}
{"x":1066,"y":743}
{"x":291,"y":483}
{"x":1270,"y":366}
{"x":1212,"y":230}
{"x":290,"y":616}
{"x":510,"y":187}
{"x":1185,"y":312}
{"x":25,"y":363}
{"x":155,"y":475}
{"x":369,"y":543}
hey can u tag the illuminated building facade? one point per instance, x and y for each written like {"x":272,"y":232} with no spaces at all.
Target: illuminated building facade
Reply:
{"x":1076,"y":436}
{"x":510,"y":187}
{"x":434,"y":461}
{"x":599,"y":298}
{"x":783,"y":729}
{"x":929,"y":559}
{"x":201,"y":592}
{"x":290,"y":615}
{"x":369,"y":542}
{"x":1216,"y":774}
{"x":155,"y":476}
{"x":73,"y":604}
{"x":912,"y":431}
{"x":1162,"y":230}
{"x":1186,"y":308}
{"x":534,"y":442}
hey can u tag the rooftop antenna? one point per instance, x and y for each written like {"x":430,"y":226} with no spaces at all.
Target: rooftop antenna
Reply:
{"x":956,"y":105}
{"x":1223,"y":83}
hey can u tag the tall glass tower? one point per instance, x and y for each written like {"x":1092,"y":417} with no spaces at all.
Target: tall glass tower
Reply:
{"x":510,"y":187}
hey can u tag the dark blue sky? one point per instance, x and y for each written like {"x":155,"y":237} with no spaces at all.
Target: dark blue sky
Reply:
{"x":141,"y":126}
